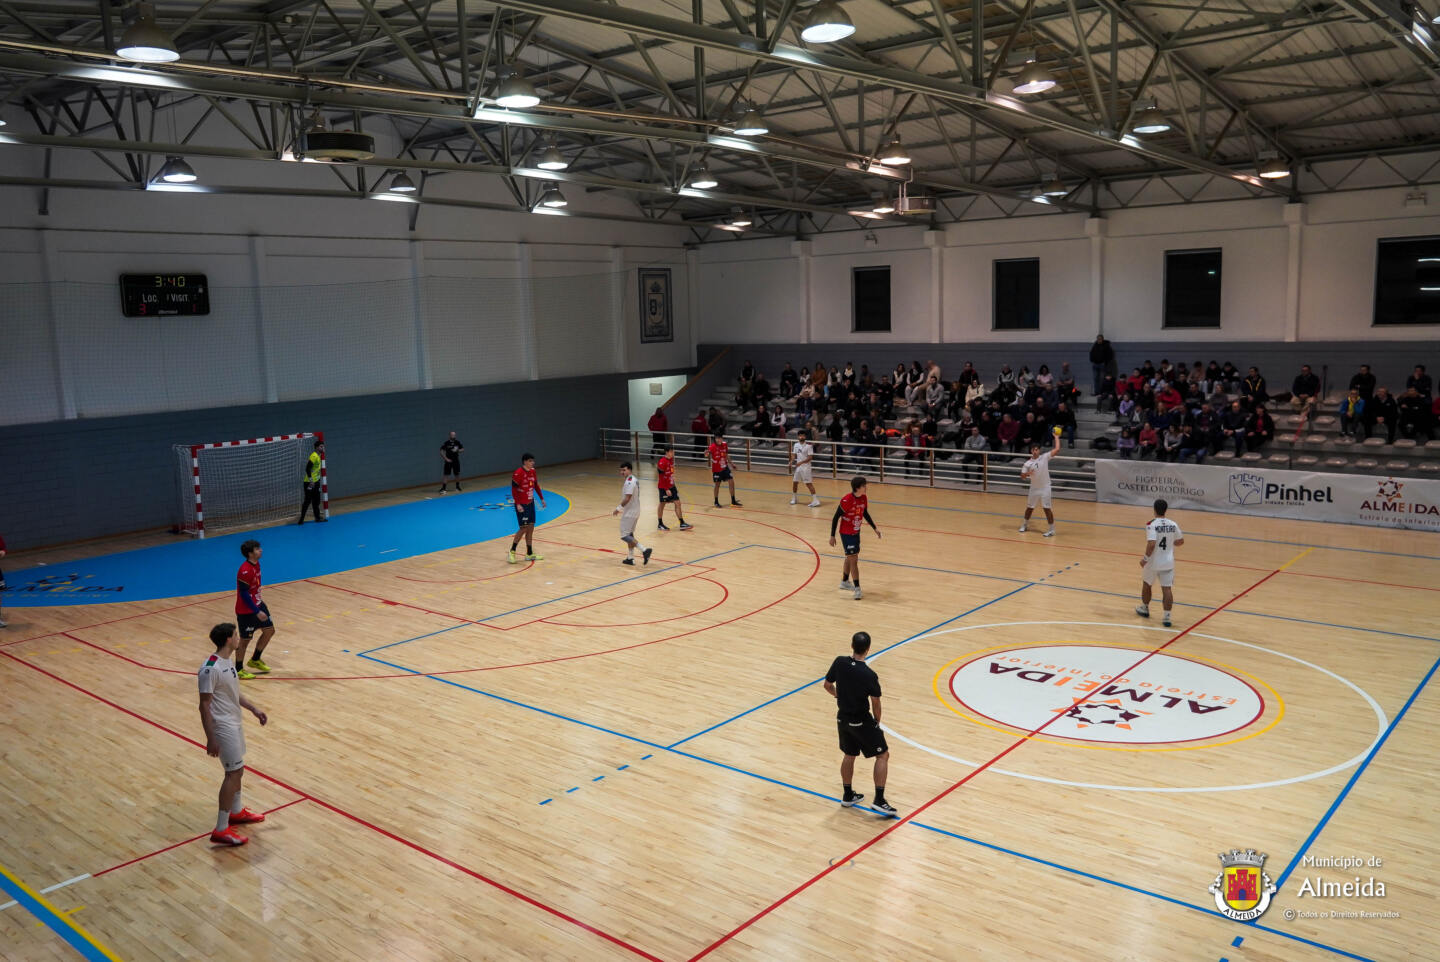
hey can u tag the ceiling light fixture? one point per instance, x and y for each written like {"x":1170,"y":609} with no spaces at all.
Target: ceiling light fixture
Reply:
{"x":702,"y":180}
{"x":893,"y":154}
{"x":1272,"y":167}
{"x":176,"y":171}
{"x":826,"y":23}
{"x":738,"y":218}
{"x":401,"y":183}
{"x":1034,"y":79}
{"x":551,"y":158}
{"x":881,"y":204}
{"x":514,"y":91}
{"x":1054,"y":187}
{"x":144,"y":41}
{"x":751,"y":125}
{"x":1149,"y":120}
{"x":552,"y":197}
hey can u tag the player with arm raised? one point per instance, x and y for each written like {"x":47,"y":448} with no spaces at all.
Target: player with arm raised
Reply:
{"x":665,"y":481}
{"x":629,"y":511}
{"x":524,"y":488}
{"x":1158,"y":564}
{"x":1037,"y":472}
{"x":802,"y":454}
{"x":220,"y":705}
{"x":852,"y":509}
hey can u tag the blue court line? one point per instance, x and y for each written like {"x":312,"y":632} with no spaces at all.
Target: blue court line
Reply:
{"x":872,"y":657}
{"x":1104,"y":524}
{"x":1360,"y":770}
{"x":835,"y":799}
{"x":1238,"y":940}
{"x":55,"y":922}
{"x":406,"y":641}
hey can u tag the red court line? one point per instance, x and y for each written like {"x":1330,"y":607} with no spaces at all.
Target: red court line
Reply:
{"x":161,"y":851}
{"x":112,"y":621}
{"x":468,"y":581}
{"x":305,"y":796}
{"x":397,"y":604}
{"x":844,"y":859}
{"x":138,"y":664}
{"x":725,"y":595}
{"x":1359,"y":581}
{"x":605,"y":601}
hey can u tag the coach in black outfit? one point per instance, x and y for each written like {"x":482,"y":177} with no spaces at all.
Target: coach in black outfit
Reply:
{"x":856,"y":689}
{"x":450,"y":450}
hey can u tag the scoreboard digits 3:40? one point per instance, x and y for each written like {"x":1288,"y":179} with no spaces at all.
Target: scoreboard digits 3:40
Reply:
{"x":164,"y":295}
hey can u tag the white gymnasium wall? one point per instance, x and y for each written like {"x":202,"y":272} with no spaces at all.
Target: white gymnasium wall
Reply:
{"x":1291,"y":273}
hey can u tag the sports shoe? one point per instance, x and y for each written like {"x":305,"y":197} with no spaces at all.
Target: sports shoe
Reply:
{"x":717,"y":504}
{"x":645,"y":555}
{"x":4,"y":624}
{"x":886,"y":809}
{"x":1023,"y":528}
{"x":532,"y":556}
{"x":628,"y":561}
{"x":792,"y":500}
{"x":442,"y":490}
{"x":245,"y":817}
{"x":457,"y":486}
{"x":852,"y":798}
{"x":1050,"y":533}
{"x":257,"y":666}
{"x":513,"y":559}
{"x":1165,"y":621}
{"x":846,"y":585}
{"x":661,"y":526}
{"x":244,"y":675}
{"x":1143,"y":611}
{"x":685,"y":527}
{"x":815,"y":503}
{"x":858,"y":595}
{"x":737,"y":504}
{"x":227,"y":837}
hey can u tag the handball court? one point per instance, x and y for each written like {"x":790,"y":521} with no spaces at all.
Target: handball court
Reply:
{"x":574,"y":759}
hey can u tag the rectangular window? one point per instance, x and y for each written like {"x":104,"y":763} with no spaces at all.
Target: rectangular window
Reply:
{"x":1407,"y":280}
{"x":870,"y":288}
{"x":1192,"y":288}
{"x":1017,"y":295}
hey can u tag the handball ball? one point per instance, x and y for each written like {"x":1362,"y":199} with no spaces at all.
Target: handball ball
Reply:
{"x":1058,"y":431}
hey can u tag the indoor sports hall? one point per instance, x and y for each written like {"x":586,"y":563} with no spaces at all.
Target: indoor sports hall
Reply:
{"x":768,"y":481}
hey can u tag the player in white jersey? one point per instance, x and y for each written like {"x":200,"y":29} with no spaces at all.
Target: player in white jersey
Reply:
{"x":1161,"y":537}
{"x":802,"y":453}
{"x":220,"y":704}
{"x":629,"y":511}
{"x":1037,"y":472}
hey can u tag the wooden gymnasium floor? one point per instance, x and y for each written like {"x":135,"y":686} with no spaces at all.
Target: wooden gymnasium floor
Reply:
{"x":576,"y":760}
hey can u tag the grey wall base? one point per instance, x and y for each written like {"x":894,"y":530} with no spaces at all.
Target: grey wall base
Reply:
{"x":72,"y":480}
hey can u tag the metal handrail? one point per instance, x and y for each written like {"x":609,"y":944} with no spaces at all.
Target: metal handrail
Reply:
{"x":890,"y":463}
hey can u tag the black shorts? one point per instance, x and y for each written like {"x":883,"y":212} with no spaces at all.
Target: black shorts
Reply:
{"x":851,"y":542}
{"x":452,"y":467}
{"x":249,"y":624}
{"x":866,"y":739}
{"x":669,"y":494}
{"x":722,"y":475}
{"x":525,"y":514}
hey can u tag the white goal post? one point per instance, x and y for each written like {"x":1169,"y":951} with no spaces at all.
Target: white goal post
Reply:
{"x":228,"y":484}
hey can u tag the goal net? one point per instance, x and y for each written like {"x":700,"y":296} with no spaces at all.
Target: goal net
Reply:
{"x":231,"y":484}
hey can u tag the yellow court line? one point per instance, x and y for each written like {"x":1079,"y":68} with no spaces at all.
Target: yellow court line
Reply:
{"x":1296,"y":558}
{"x":72,"y":924}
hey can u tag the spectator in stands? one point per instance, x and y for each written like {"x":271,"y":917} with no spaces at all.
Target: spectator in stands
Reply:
{"x":762,"y":391}
{"x":934,"y":396}
{"x":1168,"y":395}
{"x":974,"y":393}
{"x":1304,"y":389}
{"x":1414,"y":414}
{"x":1197,"y":374}
{"x":914,"y":450}
{"x":973,"y":445}
{"x":789,"y":381}
{"x":835,"y":430}
{"x":1102,"y":352}
{"x":1364,"y":382}
{"x":1064,"y":419}
{"x":1230,"y":377}
{"x":1253,"y":388}
{"x":759,"y":425}
{"x":1135,"y":383}
{"x":699,"y":433}
{"x":1383,"y":413}
{"x":1125,"y":411}
{"x":1006,"y":376}
{"x":1214,"y":380}
{"x":716,"y":421}
{"x":1421,"y":382}
{"x":659,"y":426}
{"x":1170,"y":443}
{"x":968,"y":375}
{"x":1044,"y":378}
{"x":819,"y":378}
{"x":1261,"y":430}
{"x":1065,"y":388}
{"x":747,"y":383}
{"x":1148,"y":441}
{"x":777,"y":421}
{"x":1125,"y":444}
{"x":1235,"y":426}
{"x":1352,"y":414}
{"x":849,"y":370}
{"x":1193,"y":445}
{"x":805,"y":399}
{"x":1008,"y":433}
{"x":898,"y":379}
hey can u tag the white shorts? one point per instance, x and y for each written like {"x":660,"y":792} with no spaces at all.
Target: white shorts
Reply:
{"x":804,"y":475}
{"x":1041,"y":498}
{"x":232,"y":748}
{"x":1166,"y":576}
{"x":627,"y":527}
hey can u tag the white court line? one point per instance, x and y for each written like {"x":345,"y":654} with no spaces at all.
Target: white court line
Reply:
{"x":1348,"y":763}
{"x":57,"y":885}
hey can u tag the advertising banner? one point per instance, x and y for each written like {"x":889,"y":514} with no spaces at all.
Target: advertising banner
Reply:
{"x":1266,"y":493}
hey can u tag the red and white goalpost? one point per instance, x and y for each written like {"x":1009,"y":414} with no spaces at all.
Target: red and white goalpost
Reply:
{"x":228,"y":484}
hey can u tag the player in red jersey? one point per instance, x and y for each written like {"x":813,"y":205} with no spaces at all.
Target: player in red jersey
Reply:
{"x":252,"y":613}
{"x":720,"y":467}
{"x":665,"y":481}
{"x":853,"y":509}
{"x":524,"y":488}
{"x":220,"y":705}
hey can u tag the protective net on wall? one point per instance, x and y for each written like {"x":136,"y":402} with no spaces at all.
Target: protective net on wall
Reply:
{"x":240,"y":484}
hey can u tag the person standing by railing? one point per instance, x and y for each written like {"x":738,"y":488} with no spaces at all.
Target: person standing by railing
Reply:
{"x":659,"y":426}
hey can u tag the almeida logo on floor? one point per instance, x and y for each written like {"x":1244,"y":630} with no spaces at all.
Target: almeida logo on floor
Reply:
{"x":1242,"y":890}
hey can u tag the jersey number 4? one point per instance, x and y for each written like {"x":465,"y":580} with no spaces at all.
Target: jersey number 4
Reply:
{"x":1162,"y":543}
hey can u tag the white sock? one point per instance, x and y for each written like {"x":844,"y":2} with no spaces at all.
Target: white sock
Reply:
{"x":235,"y":804}
{"x":222,"y":822}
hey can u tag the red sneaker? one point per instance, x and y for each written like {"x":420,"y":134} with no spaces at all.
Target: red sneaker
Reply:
{"x":228,"y":837}
{"x":245,"y":817}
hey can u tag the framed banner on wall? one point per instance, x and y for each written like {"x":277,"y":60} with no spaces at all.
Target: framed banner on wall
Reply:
{"x":657,"y":322}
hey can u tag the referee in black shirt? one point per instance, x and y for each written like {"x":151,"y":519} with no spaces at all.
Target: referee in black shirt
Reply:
{"x":857,"y":696}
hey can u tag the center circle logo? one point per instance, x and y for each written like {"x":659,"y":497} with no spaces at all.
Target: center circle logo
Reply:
{"x":1097,"y":693}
